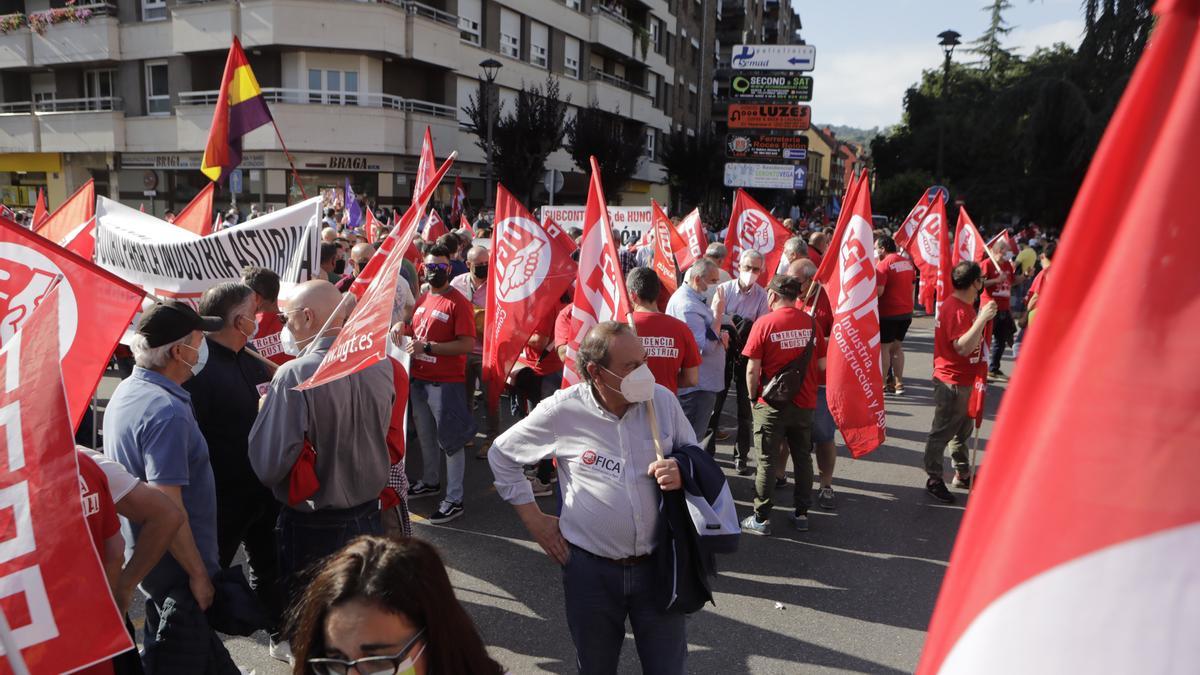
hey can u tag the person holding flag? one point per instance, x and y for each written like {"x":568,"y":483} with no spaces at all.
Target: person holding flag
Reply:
{"x":957,"y":358}
{"x":894,"y":276}
{"x":999,"y":278}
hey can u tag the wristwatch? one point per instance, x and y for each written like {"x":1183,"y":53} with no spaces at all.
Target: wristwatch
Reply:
{"x":428,"y":348}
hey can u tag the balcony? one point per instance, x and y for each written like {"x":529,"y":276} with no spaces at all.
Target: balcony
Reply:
{"x":81,"y":125}
{"x":16,"y":46}
{"x":321,"y":121}
{"x":18,"y":128}
{"x":96,"y":38}
{"x":612,"y":30}
{"x":613,"y":93}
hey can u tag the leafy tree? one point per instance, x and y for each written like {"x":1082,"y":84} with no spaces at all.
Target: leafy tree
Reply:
{"x":989,"y":45}
{"x":524,"y":138}
{"x":695,"y":172}
{"x":615,"y":142}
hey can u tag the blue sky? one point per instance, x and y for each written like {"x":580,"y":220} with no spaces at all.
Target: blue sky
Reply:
{"x":870,"y":51}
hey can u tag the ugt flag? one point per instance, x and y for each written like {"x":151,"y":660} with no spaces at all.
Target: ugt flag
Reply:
{"x":968,"y":243}
{"x":531,"y":269}
{"x":925,"y":248}
{"x":664,"y":241}
{"x":599,"y":285}
{"x":753,"y":227}
{"x":1097,"y":573}
{"x":854,"y":382}
{"x":691,"y":232}
{"x":241,"y":109}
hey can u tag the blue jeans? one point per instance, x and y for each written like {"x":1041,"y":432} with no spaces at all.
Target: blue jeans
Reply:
{"x":305,"y":538}
{"x":444,"y":425}
{"x":600,"y":595}
{"x":698,"y":408}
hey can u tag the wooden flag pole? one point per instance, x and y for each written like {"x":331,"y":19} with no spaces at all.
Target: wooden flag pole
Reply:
{"x":658,"y":444}
{"x":291,"y":162}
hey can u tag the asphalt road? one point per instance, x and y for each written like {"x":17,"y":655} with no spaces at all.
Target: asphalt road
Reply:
{"x":854,"y":594}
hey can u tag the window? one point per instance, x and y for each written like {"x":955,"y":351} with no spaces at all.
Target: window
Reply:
{"x":314,"y":86}
{"x":648,"y":150}
{"x":652,"y":88}
{"x":571,"y":57}
{"x":469,"y":13}
{"x":154,"y":10}
{"x":333,"y":87}
{"x":539,"y":44}
{"x":510,"y":33}
{"x":574,"y":4}
{"x":655,"y":34}
{"x":158,"y":97}
{"x":98,"y":88}
{"x":695,"y":52}
{"x":351,"y":81}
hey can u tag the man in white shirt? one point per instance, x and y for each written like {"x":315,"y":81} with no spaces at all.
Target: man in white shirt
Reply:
{"x":599,"y":430}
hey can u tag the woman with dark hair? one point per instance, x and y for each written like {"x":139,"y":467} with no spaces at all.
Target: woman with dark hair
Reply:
{"x":385,"y":607}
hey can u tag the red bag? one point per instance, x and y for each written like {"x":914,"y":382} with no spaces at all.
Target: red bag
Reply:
{"x":302,"y":481}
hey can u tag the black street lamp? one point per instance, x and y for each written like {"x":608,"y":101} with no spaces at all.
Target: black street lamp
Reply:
{"x":490,"y":68}
{"x":949,"y":40}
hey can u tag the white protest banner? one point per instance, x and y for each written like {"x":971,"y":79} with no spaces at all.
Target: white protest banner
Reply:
{"x":169,"y":261}
{"x":630,"y":222}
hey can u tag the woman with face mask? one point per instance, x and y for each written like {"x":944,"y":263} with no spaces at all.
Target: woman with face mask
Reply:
{"x":384,"y":606}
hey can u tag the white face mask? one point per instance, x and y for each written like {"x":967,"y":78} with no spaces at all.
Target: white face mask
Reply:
{"x":637,"y":386}
{"x":288,"y":343}
{"x":252,"y":333}
{"x":747,"y":277}
{"x":201,"y":357}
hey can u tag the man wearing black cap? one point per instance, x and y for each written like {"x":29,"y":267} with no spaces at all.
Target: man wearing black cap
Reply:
{"x":149,"y":428}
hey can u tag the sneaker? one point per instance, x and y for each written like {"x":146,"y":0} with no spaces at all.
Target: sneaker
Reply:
{"x":281,"y":651}
{"x":889,"y":389}
{"x":446,"y":512}
{"x":799,"y":521}
{"x":937,"y":487}
{"x":781,"y":482}
{"x":899,"y":388}
{"x":743,"y":468}
{"x":420,"y":489}
{"x":961,"y":480}
{"x":826,"y":500}
{"x":755,"y":526}
{"x":997,"y":375}
{"x":540,"y":489}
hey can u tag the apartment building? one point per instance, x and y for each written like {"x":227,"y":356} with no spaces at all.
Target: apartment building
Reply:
{"x":123,"y":91}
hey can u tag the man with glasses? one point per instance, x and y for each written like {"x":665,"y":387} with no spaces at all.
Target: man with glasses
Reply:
{"x":443,"y":333}
{"x":736,"y":305}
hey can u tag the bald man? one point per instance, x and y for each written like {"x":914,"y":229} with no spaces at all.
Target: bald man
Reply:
{"x":817,"y":242}
{"x":321,"y":452}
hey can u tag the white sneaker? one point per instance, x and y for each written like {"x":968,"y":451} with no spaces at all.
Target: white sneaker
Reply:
{"x":282,"y":651}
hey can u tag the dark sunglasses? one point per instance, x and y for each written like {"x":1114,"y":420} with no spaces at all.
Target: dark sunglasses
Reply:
{"x":434,"y":267}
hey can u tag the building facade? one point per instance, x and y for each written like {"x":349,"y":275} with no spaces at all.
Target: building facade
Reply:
{"x":125,"y":93}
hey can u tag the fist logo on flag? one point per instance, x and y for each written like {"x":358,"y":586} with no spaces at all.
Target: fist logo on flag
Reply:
{"x":522,"y":259}
{"x":927,"y":237}
{"x":25,"y":278}
{"x":755,"y":231}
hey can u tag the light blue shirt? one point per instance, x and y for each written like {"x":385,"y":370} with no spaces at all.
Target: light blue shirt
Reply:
{"x":749,"y":304}
{"x":149,"y":428}
{"x":690,"y":307}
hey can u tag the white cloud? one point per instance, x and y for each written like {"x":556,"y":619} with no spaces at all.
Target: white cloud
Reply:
{"x":866,"y":88}
{"x":1025,"y":40}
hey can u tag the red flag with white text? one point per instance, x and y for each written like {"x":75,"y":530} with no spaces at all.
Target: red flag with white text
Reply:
{"x":79,"y":208}
{"x":95,"y":306}
{"x":968,"y":243}
{"x":530,"y":270}
{"x":691,"y":233}
{"x":925,"y":246}
{"x":753,"y":227}
{"x":1008,"y":239}
{"x":435,"y":227}
{"x":426,"y":165}
{"x":915,"y":218}
{"x":599,"y":285}
{"x":665,"y":239}
{"x":371,"y":226}
{"x":55,"y":595}
{"x":854,"y":388}
{"x":1078,"y":550}
{"x":458,"y":200}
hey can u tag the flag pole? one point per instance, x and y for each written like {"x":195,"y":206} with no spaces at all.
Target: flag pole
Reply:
{"x":11,"y":649}
{"x":658,"y":444}
{"x":291,"y":162}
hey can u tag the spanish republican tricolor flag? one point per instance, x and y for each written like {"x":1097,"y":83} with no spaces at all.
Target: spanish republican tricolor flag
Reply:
{"x":241,"y":109}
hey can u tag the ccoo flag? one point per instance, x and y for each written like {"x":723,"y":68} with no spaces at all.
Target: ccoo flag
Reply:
{"x":1097,"y":573}
{"x":241,"y":109}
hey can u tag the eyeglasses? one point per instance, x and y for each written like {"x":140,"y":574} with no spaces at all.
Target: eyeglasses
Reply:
{"x":434,"y":267}
{"x":283,"y":316}
{"x":368,"y":665}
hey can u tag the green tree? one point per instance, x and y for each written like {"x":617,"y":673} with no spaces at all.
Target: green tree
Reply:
{"x":989,"y":46}
{"x":616,"y":143}
{"x":524,"y":138}
{"x":695,"y":172}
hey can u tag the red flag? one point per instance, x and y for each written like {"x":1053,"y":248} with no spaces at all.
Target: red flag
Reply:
{"x":400,"y":235}
{"x":531,"y":269}
{"x":752,"y":227}
{"x":77,"y":210}
{"x":435,"y":228}
{"x":197,"y":216}
{"x":665,"y":238}
{"x":458,"y":199}
{"x":643,"y":241}
{"x":426,"y":166}
{"x":599,"y":285}
{"x":968,"y":243}
{"x":40,"y":213}
{"x":978,"y":395}
{"x":691,"y":233}
{"x":95,"y":306}
{"x":1097,"y":573}
{"x":82,"y":240}
{"x":924,"y":247}
{"x":371,"y":226}
{"x":55,"y":593}
{"x":549,"y":225}
{"x":915,"y":219}
{"x":1008,"y":239}
{"x":240,"y":109}
{"x":855,"y":383}
{"x":464,"y":225}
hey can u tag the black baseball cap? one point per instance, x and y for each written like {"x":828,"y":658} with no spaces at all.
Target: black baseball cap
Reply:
{"x":784,"y":285}
{"x":171,"y":320}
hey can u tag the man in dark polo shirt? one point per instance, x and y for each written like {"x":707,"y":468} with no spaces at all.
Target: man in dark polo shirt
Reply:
{"x":225,"y":399}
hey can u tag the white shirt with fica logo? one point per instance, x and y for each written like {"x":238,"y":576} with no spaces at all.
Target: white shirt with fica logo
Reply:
{"x":610,"y":505}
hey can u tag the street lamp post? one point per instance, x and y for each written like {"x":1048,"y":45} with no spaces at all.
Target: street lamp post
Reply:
{"x":490,"y":68}
{"x":949,"y":42}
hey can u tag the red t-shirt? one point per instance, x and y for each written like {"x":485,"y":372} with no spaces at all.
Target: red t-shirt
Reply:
{"x":894,"y":274}
{"x":824,"y":318}
{"x":544,"y":361}
{"x":814,"y":256}
{"x":266,"y":340}
{"x":670,"y":346}
{"x":98,"y":505}
{"x":562,"y":326}
{"x":779,"y":338}
{"x":441,"y":318}
{"x":1035,"y":288}
{"x":954,"y":319}
{"x":1001,"y":292}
